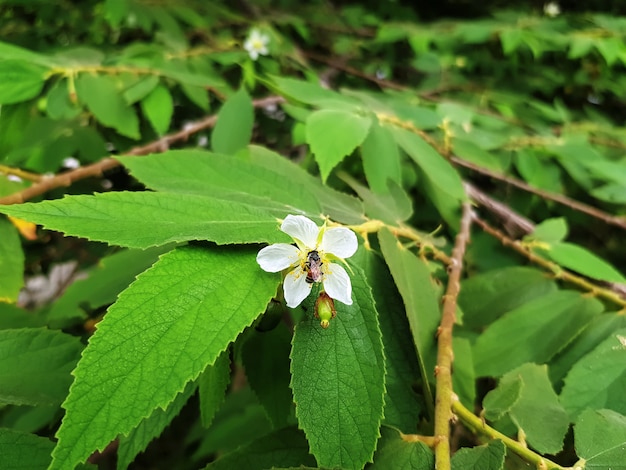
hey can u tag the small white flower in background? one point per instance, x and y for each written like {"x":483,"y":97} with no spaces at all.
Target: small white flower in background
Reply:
{"x":71,"y":163}
{"x":552,"y":9}
{"x":256,"y":44}
{"x":311,"y":260}
{"x":14,"y":178}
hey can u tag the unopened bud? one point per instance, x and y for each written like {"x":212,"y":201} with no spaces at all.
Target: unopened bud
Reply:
{"x":325,"y":309}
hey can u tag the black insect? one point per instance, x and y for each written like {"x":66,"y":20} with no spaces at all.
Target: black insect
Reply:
{"x":313,"y":267}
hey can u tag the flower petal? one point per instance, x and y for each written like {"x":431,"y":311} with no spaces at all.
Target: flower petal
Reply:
{"x":296,"y":288}
{"x":277,"y":257}
{"x":339,"y":241}
{"x":337,"y":283}
{"x":302,"y":229}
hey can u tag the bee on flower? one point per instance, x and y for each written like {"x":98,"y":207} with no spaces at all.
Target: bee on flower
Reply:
{"x":311,"y":260}
{"x":256,"y":44}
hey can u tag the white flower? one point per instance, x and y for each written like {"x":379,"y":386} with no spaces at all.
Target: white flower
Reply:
{"x":331,"y":244}
{"x":256,"y":44}
{"x":552,"y":9}
{"x":71,"y":163}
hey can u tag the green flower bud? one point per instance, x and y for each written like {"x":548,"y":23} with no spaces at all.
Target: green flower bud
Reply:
{"x":325,"y":309}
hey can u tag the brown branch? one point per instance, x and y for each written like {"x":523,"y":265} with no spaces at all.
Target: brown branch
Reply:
{"x":443,"y":402}
{"x":98,"y":168}
{"x":554,"y":268}
{"x":564,"y":200}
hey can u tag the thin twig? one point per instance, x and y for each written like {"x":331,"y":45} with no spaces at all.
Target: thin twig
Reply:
{"x":98,"y":168}
{"x":443,"y":402}
{"x":564,"y":200}
{"x":555,"y":269}
{"x":476,"y":424}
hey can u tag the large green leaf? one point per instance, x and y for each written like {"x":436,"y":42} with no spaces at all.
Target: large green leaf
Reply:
{"x":581,"y":260}
{"x":381,"y":158}
{"x":158,"y":107}
{"x":600,"y":439}
{"x":160,"y":334}
{"x":533,"y":332}
{"x":208,"y":174}
{"x":334,"y":134}
{"x":338,"y":381}
{"x":420,"y":297}
{"x":103,"y":98}
{"x":212,"y":387}
{"x":20,"y":81}
{"x":598,"y":380}
{"x":485,"y":297}
{"x":284,"y":448}
{"x":35,"y":366}
{"x":11,"y":262}
{"x":233,"y":129}
{"x":533,"y":406}
{"x":395,"y":452}
{"x":139,"y":438}
{"x":145,"y":219}
{"x":20,"y":450}
{"x":486,"y":457}
{"x":402,"y":404}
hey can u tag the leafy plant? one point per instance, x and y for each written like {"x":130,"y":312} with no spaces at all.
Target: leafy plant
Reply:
{"x":464,"y":335}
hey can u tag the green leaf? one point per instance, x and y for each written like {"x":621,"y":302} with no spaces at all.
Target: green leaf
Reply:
{"x":11,"y":262}
{"x":468,"y":150}
{"x":105,"y":101}
{"x":486,"y":297}
{"x":533,"y":332}
{"x":381,"y":159}
{"x":581,"y":260}
{"x":403,"y":406}
{"x":158,"y":107}
{"x":464,"y":378}
{"x":233,"y":129}
{"x":600,"y":439}
{"x":20,"y":450}
{"x":13,"y":317}
{"x":286,"y":447}
{"x":204,"y":173}
{"x":334,"y":134}
{"x":35,"y":366}
{"x":21,"y":81}
{"x":265,"y":357}
{"x":538,"y":412}
{"x":442,"y":184}
{"x":395,"y":452}
{"x":145,"y":219}
{"x":139,"y":438}
{"x":58,"y":103}
{"x":140,"y":89}
{"x":338,"y":381}
{"x":550,"y":230}
{"x":197,"y":95}
{"x":486,"y":457}
{"x":615,"y":193}
{"x":160,"y":334}
{"x":212,"y":387}
{"x":420,"y":296}
{"x":598,"y":380}
{"x":307,"y":92}
{"x":501,"y":399}
{"x":511,"y":39}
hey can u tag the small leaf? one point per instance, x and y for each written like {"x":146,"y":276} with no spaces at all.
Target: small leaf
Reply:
{"x":468,"y":150}
{"x":233,"y":129}
{"x":486,"y":457}
{"x":35,"y":366}
{"x":533,"y":332}
{"x":140,"y":89}
{"x":338,"y":381}
{"x":197,"y":95}
{"x":396,"y":451}
{"x":21,"y":81}
{"x":145,"y":219}
{"x":334,"y":134}
{"x":20,"y":450}
{"x":464,"y":377}
{"x":600,"y":439}
{"x":598,"y":380}
{"x":161,"y":333}
{"x":150,"y":428}
{"x":550,"y":230}
{"x":213,"y":384}
{"x":11,"y":262}
{"x":158,"y":107}
{"x":615,"y":193}
{"x":105,"y":101}
{"x":381,"y":159}
{"x":58,"y":103}
{"x":285,"y":448}
{"x":581,"y":260}
{"x":499,"y":401}
{"x":421,"y":300}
